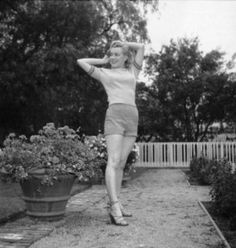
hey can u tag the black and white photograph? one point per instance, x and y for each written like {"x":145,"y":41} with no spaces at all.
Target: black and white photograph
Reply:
{"x":117,"y":124}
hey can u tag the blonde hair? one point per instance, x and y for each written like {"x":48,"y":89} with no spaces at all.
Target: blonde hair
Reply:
{"x":126,"y":51}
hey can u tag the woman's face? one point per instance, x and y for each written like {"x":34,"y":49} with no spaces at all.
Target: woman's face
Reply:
{"x":117,"y":58}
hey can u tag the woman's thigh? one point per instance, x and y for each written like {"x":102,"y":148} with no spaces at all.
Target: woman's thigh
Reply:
{"x":114,"y":148}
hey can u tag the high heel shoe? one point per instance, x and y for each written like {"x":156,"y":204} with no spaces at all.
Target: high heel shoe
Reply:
{"x":124,"y":212}
{"x":117,"y":219}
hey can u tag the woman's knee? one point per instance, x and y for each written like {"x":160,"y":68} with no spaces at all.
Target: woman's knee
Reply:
{"x":114,"y":161}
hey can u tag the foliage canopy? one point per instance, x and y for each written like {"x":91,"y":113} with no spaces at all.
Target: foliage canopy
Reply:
{"x":40,"y":42}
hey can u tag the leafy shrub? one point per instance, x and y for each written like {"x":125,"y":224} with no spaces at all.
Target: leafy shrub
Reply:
{"x":223,"y":185}
{"x":132,"y":159}
{"x":223,"y":191}
{"x":98,"y":145}
{"x":54,"y":150}
{"x":203,"y":169}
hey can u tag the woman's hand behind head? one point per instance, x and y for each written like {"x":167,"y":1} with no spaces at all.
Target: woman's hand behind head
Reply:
{"x":106,"y":59}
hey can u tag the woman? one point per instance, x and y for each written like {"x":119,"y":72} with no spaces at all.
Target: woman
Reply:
{"x":121,"y":120}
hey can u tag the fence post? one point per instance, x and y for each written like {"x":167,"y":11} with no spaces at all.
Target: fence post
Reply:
{"x":171,"y":153}
{"x":221,"y":150}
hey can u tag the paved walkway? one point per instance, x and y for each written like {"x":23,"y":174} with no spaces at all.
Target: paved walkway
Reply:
{"x":166,"y":215}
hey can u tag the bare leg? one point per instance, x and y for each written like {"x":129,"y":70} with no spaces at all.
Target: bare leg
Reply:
{"x":127,"y":146}
{"x":114,"y":149}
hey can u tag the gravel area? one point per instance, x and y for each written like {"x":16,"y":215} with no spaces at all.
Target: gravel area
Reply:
{"x":166,"y":214}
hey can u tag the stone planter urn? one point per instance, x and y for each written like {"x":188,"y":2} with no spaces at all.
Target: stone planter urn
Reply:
{"x":46,"y":202}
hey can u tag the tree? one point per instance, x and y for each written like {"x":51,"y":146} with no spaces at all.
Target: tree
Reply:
{"x":149,"y":110}
{"x":231,"y":91}
{"x":191,"y":90}
{"x":41,"y":39}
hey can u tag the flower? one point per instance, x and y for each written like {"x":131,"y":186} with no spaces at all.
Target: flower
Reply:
{"x":54,"y":150}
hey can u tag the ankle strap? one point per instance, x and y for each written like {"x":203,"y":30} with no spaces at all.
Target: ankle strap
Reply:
{"x":113,"y":202}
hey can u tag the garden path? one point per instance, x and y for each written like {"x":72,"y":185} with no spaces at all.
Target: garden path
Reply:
{"x":166,"y":215}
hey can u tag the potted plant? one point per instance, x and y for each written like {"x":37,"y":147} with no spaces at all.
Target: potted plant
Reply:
{"x":98,"y":144}
{"x":46,"y":166}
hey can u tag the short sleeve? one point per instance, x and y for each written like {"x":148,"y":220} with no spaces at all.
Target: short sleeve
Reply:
{"x":98,"y":73}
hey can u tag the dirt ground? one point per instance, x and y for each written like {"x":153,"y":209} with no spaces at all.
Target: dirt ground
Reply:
{"x":166,"y":214}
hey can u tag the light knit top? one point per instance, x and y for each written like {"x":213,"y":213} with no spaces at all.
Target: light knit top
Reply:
{"x":119,"y":83}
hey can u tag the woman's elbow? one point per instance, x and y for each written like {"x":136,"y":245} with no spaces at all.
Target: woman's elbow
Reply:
{"x":81,"y":62}
{"x":142,"y":46}
{"x":78,"y":61}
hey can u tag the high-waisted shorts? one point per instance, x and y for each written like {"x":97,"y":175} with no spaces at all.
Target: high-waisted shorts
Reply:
{"x":121,"y":119}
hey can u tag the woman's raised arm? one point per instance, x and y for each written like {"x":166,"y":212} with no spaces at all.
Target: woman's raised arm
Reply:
{"x":139,"y":48}
{"x":87,"y":64}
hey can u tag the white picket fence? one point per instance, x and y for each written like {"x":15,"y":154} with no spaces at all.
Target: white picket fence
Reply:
{"x":179,"y":154}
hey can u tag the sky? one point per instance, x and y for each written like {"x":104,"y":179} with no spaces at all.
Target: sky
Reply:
{"x":213,"y":21}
